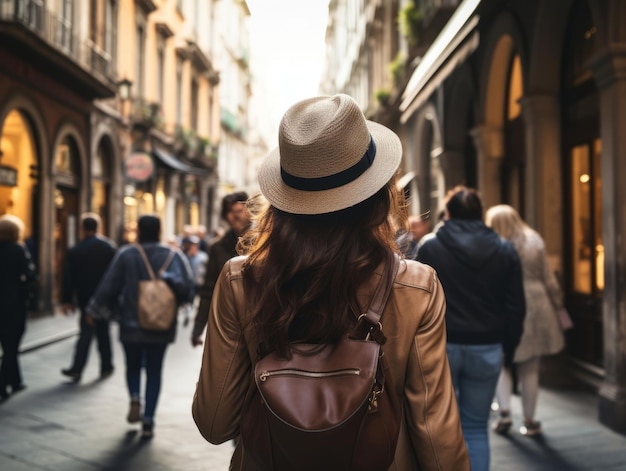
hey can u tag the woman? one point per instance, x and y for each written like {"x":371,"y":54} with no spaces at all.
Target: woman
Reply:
{"x":143,"y":348}
{"x":16,"y":273}
{"x":542,"y":332}
{"x":315,"y":255}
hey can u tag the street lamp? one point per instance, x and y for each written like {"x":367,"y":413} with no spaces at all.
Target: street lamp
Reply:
{"x":123,"y":88}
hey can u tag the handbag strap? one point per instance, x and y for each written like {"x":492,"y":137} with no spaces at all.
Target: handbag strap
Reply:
{"x":168,"y":260}
{"x":381,"y":295}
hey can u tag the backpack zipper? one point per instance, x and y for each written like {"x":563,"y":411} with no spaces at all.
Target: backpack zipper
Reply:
{"x":309,"y":374}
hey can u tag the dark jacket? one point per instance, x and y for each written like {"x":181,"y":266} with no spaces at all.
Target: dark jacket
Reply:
{"x":17,"y":272}
{"x":119,"y":289}
{"x":84,"y":267}
{"x":219,"y":253}
{"x":482,"y":279}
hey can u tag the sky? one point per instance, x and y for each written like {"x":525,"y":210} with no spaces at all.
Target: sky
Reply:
{"x":287,"y":50}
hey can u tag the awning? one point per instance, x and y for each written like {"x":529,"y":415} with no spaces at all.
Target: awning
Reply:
{"x":456,"y":41}
{"x":173,"y":163}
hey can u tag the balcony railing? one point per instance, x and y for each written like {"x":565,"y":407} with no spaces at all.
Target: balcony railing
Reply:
{"x":57,"y":32}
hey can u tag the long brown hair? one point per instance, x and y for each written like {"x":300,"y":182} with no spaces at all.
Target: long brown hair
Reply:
{"x":302,"y":272}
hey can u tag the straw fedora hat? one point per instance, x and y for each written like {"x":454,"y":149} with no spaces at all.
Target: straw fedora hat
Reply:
{"x":329,"y":157}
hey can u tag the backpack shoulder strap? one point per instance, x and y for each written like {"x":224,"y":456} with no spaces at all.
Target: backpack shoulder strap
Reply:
{"x":166,"y":263}
{"x":375,"y":310}
{"x":146,"y":262}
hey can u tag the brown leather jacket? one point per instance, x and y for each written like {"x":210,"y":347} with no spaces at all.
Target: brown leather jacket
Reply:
{"x":413,"y":321}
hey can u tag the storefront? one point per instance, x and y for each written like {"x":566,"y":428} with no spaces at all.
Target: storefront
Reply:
{"x":538,"y":90}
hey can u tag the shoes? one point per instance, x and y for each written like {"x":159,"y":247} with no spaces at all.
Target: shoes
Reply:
{"x":74,"y":376}
{"x":531,"y":429}
{"x":503,"y":424}
{"x":4,"y":395}
{"x":106,"y":373}
{"x":134,"y":413}
{"x":147,"y":430}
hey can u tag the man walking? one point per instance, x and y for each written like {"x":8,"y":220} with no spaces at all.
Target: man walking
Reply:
{"x":235,"y":213}
{"x":84,"y":266}
{"x":482,"y":278}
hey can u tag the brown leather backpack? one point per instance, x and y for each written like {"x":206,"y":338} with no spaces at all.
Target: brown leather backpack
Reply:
{"x":326,"y":408}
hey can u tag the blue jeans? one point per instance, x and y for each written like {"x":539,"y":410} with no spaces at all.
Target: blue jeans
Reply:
{"x":151,"y":356}
{"x":475,"y":370}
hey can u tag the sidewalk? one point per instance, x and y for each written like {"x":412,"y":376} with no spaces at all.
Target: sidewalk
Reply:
{"x":43,"y":331}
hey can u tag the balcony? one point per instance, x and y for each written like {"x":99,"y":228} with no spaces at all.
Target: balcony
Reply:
{"x":146,"y":115}
{"x":47,"y":40}
{"x":231,"y":123}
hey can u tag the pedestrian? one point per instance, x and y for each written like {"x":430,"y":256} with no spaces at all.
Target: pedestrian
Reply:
{"x":542,"y":332}
{"x":17,"y":272}
{"x":120,"y":287}
{"x":314,"y":257}
{"x":84,"y":267}
{"x":419,"y":226}
{"x":202,"y":235}
{"x":235,"y":213}
{"x":197,"y":260}
{"x":482,"y":278}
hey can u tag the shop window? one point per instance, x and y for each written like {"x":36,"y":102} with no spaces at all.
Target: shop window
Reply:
{"x":19,"y":180}
{"x":101,"y":183}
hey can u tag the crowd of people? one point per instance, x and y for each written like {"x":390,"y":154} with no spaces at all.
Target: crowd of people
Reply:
{"x":475,"y":302}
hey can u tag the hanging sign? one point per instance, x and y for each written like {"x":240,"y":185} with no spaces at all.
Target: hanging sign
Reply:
{"x":8,"y":176}
{"x":139,"y":166}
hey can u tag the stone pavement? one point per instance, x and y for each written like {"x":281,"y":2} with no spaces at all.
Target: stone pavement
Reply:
{"x":61,"y":426}
{"x":56,"y":425}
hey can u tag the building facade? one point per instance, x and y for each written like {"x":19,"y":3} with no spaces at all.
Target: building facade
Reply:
{"x":525,"y":100}
{"x":112,"y":106}
{"x":233,"y":59}
{"x":50,"y":74}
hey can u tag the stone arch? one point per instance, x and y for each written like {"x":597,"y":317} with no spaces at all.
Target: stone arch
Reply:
{"x":106,"y":136}
{"x":427,"y":144}
{"x":35,"y":119}
{"x":503,"y":40}
{"x":66,"y":129}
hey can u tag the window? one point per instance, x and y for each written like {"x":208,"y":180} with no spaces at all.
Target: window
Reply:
{"x":160,"y":68}
{"x":179,"y":91}
{"x":110,"y":35}
{"x":66,"y":17}
{"x":194,"y":104}
{"x":140,"y":53}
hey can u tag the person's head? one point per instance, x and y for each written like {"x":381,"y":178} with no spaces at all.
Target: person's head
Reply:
{"x":201,"y":231}
{"x":419,"y":226}
{"x":234,"y":211}
{"x":190,"y":244}
{"x":11,"y":228}
{"x":331,"y":194}
{"x":90,"y":223}
{"x":464,"y":203}
{"x":505,"y":220}
{"x":148,"y":229}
